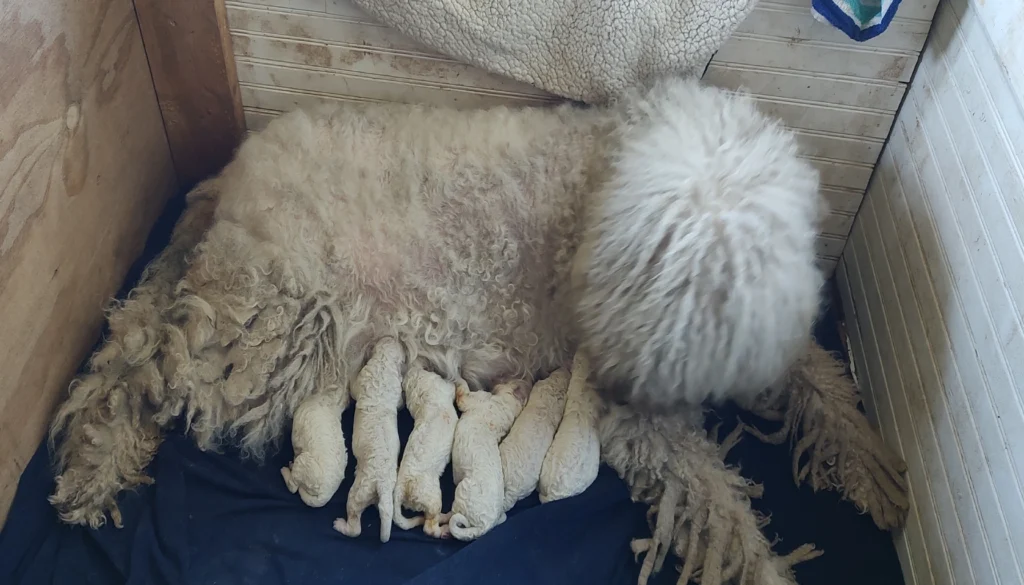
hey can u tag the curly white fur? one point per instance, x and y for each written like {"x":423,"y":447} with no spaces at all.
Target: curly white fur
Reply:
{"x":523,"y":450}
{"x":834,"y":446}
{"x":375,"y":442}
{"x":431,"y":402}
{"x":696,"y":277}
{"x":110,"y":426}
{"x":476,"y":460}
{"x":318,"y":468}
{"x":685,"y":212}
{"x":572,"y":462}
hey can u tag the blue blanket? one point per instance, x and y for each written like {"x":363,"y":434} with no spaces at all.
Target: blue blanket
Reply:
{"x":215,"y":519}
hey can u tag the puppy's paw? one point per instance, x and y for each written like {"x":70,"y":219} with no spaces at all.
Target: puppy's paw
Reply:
{"x":349,"y":529}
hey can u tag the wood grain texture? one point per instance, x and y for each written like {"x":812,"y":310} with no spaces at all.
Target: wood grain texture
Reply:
{"x":193,"y":70}
{"x":84,"y":171}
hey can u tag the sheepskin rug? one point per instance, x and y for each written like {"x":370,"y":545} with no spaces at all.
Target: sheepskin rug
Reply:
{"x":670,"y":236}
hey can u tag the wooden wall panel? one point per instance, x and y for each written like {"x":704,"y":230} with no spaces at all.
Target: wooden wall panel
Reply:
{"x":194,"y":75}
{"x":84,"y":171}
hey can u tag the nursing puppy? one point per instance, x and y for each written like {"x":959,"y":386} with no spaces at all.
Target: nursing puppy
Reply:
{"x":476,"y":460}
{"x":574,"y":457}
{"x":318,"y":468}
{"x":523,"y":450}
{"x":430,"y":400}
{"x":375,"y":442}
{"x":670,"y":235}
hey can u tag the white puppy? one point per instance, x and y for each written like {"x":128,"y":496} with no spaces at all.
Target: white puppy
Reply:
{"x":318,"y":468}
{"x":523,"y":450}
{"x":476,"y":461}
{"x":431,"y":401}
{"x":572,"y":462}
{"x":375,"y":443}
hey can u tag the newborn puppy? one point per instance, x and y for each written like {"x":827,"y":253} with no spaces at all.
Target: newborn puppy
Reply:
{"x":318,"y":468}
{"x":476,"y":460}
{"x":523,"y":450}
{"x":375,"y":443}
{"x":572,"y":462}
{"x":431,"y":401}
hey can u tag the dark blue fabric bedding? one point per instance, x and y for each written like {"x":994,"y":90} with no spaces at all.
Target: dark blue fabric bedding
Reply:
{"x":212,"y":519}
{"x":215,"y":519}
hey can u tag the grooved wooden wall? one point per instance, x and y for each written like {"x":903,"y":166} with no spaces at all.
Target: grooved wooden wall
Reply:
{"x":84,"y":172}
{"x":933,"y":286}
{"x":840,"y":95}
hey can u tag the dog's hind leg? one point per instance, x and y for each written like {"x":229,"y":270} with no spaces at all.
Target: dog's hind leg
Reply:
{"x":361,"y":495}
{"x":248,"y":339}
{"x":405,"y":522}
{"x":431,"y":505}
{"x":107,"y":431}
{"x":405,"y":496}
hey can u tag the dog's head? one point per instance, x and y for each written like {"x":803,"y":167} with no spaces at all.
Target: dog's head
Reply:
{"x":696,"y":277}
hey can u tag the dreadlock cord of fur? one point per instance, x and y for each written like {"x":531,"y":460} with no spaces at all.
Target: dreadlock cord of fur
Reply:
{"x":834,"y":444}
{"x":111,"y":424}
{"x":702,"y":506}
{"x":248,"y":339}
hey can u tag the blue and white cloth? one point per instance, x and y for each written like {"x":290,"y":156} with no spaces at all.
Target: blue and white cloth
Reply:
{"x":861,"y":20}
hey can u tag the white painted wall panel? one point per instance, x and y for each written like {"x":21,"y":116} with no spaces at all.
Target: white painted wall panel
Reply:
{"x":932,"y":281}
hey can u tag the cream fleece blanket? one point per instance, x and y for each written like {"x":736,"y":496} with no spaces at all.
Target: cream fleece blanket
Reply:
{"x":587,"y":50}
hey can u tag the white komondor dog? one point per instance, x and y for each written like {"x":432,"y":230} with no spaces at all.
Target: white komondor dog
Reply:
{"x":669,"y":236}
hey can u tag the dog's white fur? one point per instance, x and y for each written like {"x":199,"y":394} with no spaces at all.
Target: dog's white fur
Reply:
{"x":476,"y":461}
{"x":375,"y":442}
{"x":696,"y":278}
{"x":572,"y":462}
{"x":430,"y":400}
{"x":670,"y":235}
{"x":318,"y":468}
{"x":525,"y":446}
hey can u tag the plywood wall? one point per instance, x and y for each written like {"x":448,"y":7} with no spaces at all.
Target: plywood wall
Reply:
{"x":933,"y":287}
{"x":84,"y":170}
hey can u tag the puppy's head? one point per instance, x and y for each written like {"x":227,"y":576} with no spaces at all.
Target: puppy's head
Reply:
{"x":696,"y":277}
{"x":518,"y":389}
